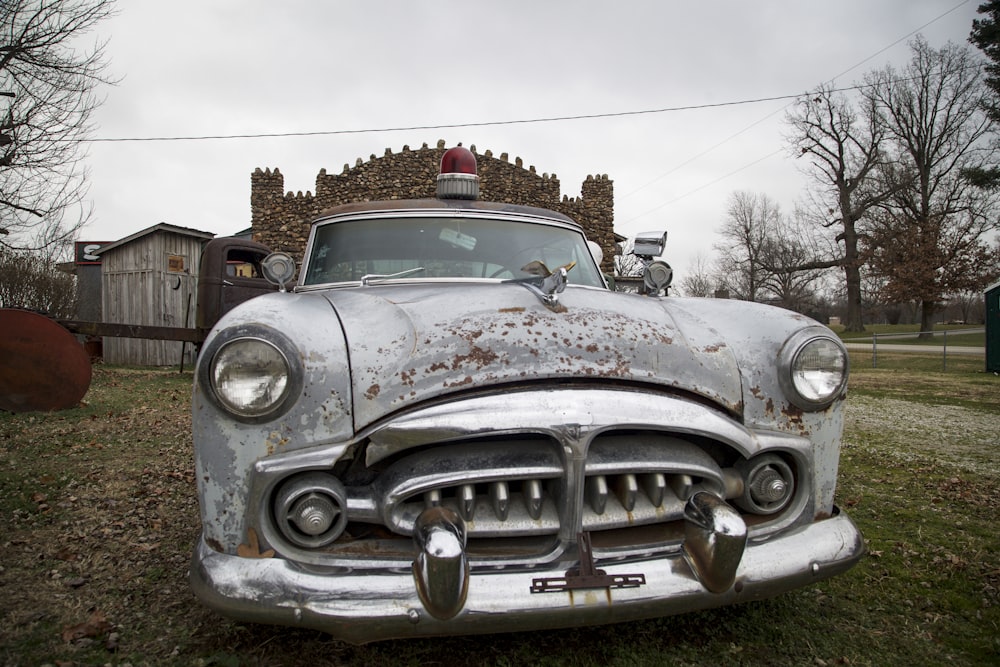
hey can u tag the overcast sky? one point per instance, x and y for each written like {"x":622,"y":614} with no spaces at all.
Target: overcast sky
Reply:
{"x":225,"y":67}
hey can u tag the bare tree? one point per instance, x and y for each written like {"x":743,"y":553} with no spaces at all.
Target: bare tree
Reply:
{"x":845,"y":157}
{"x":28,"y":282}
{"x":790,"y":281}
{"x":930,"y":239}
{"x":752,"y":221}
{"x":700,"y":279}
{"x":53,"y":82}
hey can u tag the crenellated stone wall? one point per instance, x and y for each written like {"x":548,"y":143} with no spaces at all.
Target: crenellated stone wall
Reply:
{"x":281,"y":220}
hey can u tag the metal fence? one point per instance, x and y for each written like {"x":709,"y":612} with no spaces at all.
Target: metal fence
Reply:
{"x":883,"y":343}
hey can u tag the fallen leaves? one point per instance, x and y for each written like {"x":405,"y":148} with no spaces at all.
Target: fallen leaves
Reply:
{"x":96,"y":625}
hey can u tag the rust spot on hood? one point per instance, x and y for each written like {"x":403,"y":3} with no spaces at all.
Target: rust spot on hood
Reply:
{"x":478,"y":356}
{"x":459,"y":383}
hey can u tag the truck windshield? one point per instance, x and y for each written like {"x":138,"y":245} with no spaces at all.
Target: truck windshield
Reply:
{"x":450,"y":247}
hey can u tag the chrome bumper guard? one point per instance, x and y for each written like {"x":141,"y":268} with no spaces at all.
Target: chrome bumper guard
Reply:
{"x":439,"y":596}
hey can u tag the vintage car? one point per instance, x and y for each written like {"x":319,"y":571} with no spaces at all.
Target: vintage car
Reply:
{"x":451,"y":425}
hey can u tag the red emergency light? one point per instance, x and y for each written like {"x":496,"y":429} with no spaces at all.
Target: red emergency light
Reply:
{"x":458,"y":178}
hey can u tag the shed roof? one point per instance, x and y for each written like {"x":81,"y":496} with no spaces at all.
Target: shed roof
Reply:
{"x":161,"y":227}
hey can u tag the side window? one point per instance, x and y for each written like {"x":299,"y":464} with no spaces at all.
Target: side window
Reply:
{"x":243,"y":263}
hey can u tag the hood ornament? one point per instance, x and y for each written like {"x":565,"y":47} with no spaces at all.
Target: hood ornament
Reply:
{"x":546,"y":284}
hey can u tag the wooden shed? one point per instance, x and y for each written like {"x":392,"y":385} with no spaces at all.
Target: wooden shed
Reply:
{"x":151,"y":278}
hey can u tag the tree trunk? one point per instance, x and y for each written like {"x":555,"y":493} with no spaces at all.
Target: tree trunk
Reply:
{"x":853,"y":321}
{"x":927,"y":310}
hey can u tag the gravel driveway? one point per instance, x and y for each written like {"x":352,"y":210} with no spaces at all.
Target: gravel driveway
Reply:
{"x":952,"y":434}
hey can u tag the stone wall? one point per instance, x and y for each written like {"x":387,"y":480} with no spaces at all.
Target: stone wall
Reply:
{"x":281,"y":220}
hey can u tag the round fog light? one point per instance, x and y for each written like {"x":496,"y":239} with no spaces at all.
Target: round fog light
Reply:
{"x":768,"y":484}
{"x":310,"y":509}
{"x":313,"y":514}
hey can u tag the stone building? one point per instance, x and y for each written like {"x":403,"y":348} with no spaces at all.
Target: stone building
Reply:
{"x":281,"y":220}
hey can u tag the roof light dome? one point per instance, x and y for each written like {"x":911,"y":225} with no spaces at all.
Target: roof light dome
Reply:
{"x":458,"y":178}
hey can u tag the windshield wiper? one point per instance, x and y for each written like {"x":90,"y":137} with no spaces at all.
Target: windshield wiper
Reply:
{"x":369,"y":278}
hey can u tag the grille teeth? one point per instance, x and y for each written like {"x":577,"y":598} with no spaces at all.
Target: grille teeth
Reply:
{"x":627,"y":488}
{"x":630,"y":490}
{"x":532,"y":490}
{"x":597,"y":493}
{"x":524,"y":489}
{"x":682,"y":485}
{"x":467,"y":501}
{"x":655,"y":486}
{"x":500,"y":497}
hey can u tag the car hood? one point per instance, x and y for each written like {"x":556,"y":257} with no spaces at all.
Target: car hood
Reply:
{"x":410,"y":343}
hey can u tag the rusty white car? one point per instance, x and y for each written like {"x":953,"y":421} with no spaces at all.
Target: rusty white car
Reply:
{"x":450,"y":425}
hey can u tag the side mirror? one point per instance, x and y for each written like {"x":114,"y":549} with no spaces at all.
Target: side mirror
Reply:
{"x":278,"y":268}
{"x":649,"y":244}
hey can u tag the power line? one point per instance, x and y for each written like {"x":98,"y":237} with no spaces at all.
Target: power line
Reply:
{"x":550,"y":119}
{"x":409,"y":128}
{"x":761,"y":120}
{"x":706,"y":185}
{"x":449,"y":126}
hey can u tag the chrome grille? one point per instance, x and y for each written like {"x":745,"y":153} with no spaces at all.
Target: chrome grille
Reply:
{"x":528,"y":471}
{"x":522,"y":489}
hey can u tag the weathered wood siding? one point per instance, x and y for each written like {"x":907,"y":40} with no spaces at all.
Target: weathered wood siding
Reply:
{"x":138,"y":288}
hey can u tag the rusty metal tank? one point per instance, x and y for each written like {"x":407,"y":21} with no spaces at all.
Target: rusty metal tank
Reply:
{"x":42,"y":365}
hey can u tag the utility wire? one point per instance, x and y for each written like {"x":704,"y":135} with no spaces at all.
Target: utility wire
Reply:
{"x":448,"y":126}
{"x":551,"y":119}
{"x":761,"y":120}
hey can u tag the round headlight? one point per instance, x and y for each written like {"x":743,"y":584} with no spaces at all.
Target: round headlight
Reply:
{"x":816,"y":370}
{"x":250,"y":377}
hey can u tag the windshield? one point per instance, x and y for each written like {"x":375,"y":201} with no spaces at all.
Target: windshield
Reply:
{"x":429,"y":247}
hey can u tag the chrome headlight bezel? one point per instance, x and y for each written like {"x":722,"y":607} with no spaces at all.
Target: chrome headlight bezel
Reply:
{"x":284,"y":363}
{"x":813,"y":367}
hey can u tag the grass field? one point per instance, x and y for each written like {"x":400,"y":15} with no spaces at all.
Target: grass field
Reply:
{"x":98,"y":516}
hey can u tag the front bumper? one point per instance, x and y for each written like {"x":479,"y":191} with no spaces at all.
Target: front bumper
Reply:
{"x":361,"y":606}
